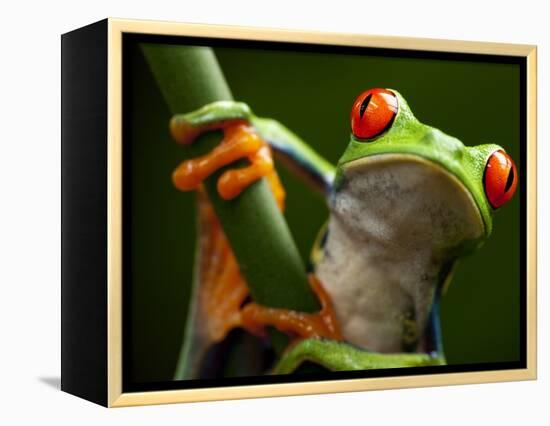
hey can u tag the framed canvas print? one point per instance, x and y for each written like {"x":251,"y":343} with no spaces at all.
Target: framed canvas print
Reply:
{"x":251,"y":212}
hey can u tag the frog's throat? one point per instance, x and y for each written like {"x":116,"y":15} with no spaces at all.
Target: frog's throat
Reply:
{"x":385,"y":158}
{"x":397,"y":222}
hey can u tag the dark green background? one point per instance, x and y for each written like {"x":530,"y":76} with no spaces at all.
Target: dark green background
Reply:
{"x":311,"y":93}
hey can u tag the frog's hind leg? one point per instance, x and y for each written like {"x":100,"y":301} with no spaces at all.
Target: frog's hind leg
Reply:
{"x":218,"y":292}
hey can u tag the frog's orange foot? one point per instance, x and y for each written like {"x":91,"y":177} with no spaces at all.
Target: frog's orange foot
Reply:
{"x":240,"y":141}
{"x":299,"y":325}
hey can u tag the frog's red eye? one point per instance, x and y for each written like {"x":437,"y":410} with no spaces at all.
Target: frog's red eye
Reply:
{"x":373,"y":113}
{"x":500,"y":179}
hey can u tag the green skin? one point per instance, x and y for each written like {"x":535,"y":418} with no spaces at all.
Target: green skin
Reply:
{"x":407,"y":136}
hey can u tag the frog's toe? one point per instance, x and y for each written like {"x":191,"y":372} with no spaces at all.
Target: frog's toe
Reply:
{"x":232,"y":182}
{"x":183,"y":131}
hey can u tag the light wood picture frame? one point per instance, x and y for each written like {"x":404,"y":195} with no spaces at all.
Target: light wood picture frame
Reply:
{"x":101,"y":361}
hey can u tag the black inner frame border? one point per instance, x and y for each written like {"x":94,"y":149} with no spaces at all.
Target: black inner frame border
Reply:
{"x":131,"y":39}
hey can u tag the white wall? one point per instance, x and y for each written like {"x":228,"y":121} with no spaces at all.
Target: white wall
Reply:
{"x":30,"y":199}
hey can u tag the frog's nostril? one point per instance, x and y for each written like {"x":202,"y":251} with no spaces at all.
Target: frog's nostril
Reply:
{"x":444,"y":142}
{"x":458,"y":151}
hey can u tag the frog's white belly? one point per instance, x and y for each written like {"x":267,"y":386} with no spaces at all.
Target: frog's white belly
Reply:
{"x":395,"y":224}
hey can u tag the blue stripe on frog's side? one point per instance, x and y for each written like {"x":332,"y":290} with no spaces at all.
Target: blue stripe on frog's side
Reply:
{"x":433,"y":332}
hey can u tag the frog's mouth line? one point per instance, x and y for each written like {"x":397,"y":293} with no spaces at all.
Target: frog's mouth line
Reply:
{"x":371,"y":161}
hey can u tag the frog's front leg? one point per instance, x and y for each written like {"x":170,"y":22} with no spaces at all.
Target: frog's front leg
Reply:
{"x":293,"y":152}
{"x":339,"y":356}
{"x":298,"y":325}
{"x":239,"y":141}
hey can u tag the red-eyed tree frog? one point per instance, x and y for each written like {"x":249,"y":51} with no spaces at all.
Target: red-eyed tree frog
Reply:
{"x":406,"y":201}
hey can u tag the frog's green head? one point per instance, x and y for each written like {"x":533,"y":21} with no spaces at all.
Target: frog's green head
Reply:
{"x":384,"y":130}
